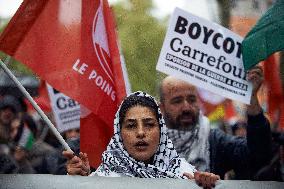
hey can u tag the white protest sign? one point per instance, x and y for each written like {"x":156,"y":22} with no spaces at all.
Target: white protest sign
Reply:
{"x":66,"y":110}
{"x":206,"y":55}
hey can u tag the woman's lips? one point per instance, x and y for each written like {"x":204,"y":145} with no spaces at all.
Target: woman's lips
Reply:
{"x":141,"y":145}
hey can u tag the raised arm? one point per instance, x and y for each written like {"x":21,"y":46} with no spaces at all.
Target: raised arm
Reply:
{"x":255,"y":76}
{"x":258,"y":130}
{"x":244,"y":155}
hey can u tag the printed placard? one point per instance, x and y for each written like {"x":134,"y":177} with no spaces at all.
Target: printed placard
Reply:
{"x":204,"y":54}
{"x":66,"y":111}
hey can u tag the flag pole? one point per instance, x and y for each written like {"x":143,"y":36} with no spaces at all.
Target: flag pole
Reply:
{"x":34,"y":104}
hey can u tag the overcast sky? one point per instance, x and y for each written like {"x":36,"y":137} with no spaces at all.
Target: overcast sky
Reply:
{"x":164,"y":7}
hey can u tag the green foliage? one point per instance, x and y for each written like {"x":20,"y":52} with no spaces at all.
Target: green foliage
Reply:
{"x":16,"y":65}
{"x":141,"y":36}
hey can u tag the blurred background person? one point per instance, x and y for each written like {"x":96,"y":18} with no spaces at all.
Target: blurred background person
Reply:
{"x":239,"y":129}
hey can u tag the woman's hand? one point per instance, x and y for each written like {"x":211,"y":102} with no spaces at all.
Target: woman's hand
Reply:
{"x":204,"y":179}
{"x":77,"y":165}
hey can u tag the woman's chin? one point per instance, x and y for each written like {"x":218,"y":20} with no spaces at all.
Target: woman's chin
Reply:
{"x":142,"y":157}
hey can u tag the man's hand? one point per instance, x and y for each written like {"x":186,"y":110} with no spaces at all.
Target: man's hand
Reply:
{"x":255,"y":76}
{"x":77,"y":165}
{"x":204,"y":179}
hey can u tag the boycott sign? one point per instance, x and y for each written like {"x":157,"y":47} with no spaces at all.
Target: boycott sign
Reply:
{"x":66,"y":110}
{"x":206,"y":55}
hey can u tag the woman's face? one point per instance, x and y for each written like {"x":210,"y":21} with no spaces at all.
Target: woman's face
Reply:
{"x":140,"y":133}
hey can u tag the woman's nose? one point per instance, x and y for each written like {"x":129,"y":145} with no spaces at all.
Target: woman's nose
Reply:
{"x":140,"y":131}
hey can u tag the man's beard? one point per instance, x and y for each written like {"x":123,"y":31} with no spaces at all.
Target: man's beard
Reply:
{"x":177,"y":123}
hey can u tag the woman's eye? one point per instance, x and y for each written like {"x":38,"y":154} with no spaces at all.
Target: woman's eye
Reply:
{"x":130,"y":125}
{"x":150,"y":125}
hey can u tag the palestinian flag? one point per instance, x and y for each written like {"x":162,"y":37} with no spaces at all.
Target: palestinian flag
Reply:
{"x":27,"y":139}
{"x":266,"y":37}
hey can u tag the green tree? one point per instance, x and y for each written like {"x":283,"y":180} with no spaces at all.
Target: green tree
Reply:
{"x":141,"y":36}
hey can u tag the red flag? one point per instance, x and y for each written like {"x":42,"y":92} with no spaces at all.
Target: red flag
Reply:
{"x":94,"y":136}
{"x":42,"y":100}
{"x":72,"y":45}
{"x":274,"y":91}
{"x":94,"y":132}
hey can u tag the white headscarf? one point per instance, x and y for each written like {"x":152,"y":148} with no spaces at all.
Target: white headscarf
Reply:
{"x":166,"y":162}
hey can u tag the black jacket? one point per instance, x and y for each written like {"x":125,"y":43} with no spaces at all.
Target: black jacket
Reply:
{"x":244,"y":155}
{"x":8,"y":165}
{"x":55,"y":163}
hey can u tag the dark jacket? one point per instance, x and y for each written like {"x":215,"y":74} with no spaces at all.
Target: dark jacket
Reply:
{"x":55,"y":163}
{"x":8,"y":165}
{"x":244,"y":155}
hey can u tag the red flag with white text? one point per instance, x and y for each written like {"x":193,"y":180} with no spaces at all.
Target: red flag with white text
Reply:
{"x":72,"y":45}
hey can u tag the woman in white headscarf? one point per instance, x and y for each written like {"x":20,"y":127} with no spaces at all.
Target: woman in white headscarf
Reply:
{"x":140,"y":147}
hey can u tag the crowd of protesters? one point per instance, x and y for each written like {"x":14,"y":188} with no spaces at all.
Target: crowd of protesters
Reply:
{"x":26,"y":144}
{"x":28,"y":147}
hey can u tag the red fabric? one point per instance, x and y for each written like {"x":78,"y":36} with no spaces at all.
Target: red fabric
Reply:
{"x":230,"y":111}
{"x":95,"y":135}
{"x":42,"y":100}
{"x":95,"y":132}
{"x":55,"y":39}
{"x":281,"y":117}
{"x":275,"y":91}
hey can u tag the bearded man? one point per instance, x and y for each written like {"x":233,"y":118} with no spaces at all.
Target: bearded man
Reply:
{"x":211,"y":149}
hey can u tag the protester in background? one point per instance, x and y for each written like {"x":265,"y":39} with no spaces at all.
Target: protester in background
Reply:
{"x":211,"y":149}
{"x":9,"y":108}
{"x":239,"y":128}
{"x":71,"y":133}
{"x":74,"y":144}
{"x":12,"y":118}
{"x":140,"y":147}
{"x":72,"y":137}
{"x":23,"y":139}
{"x":39,"y":149}
{"x":55,"y":163}
{"x":29,"y":151}
{"x":46,"y":156}
{"x":8,"y":164}
{"x":46,"y":135}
